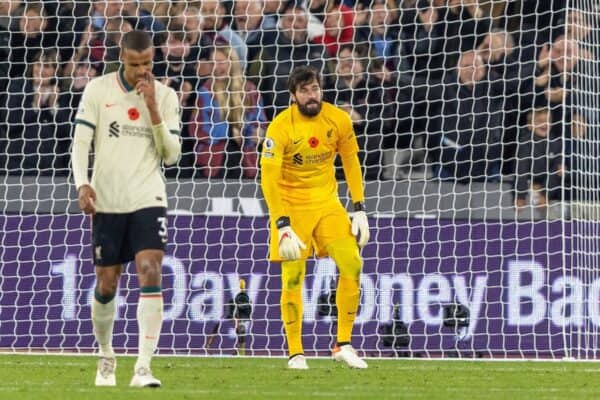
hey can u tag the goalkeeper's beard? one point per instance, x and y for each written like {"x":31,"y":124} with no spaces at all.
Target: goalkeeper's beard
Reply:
{"x":308,"y":111}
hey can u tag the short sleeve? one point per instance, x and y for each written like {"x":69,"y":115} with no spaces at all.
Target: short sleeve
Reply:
{"x":87,"y":111}
{"x":274,"y":145}
{"x":171,"y":112}
{"x":347,"y":144}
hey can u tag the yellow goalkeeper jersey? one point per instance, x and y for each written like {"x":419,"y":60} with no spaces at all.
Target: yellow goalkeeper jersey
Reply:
{"x":305,"y":149}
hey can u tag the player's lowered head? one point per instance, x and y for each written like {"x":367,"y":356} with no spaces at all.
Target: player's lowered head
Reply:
{"x":304,"y":85}
{"x":137,"y":53}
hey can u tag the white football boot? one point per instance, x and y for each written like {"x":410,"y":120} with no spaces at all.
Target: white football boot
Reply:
{"x":105,"y":373}
{"x":347,"y":354}
{"x":143,"y":378}
{"x":297,"y":362}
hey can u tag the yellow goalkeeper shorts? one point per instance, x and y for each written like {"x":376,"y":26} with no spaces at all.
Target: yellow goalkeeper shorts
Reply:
{"x":316,"y":228}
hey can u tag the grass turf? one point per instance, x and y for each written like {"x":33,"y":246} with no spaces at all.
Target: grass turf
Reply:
{"x":72,"y":377}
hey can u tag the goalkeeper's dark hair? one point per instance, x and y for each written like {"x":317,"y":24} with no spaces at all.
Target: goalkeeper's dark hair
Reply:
{"x":136,"y":40}
{"x":302,"y":75}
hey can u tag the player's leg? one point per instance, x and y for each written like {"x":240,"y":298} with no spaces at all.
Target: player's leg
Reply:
{"x":292,"y":309}
{"x":149,"y":314}
{"x":103,"y":318}
{"x":333,"y":233}
{"x":107,"y":236}
{"x":345,"y":254}
{"x":147,"y":235}
{"x":292,"y":275}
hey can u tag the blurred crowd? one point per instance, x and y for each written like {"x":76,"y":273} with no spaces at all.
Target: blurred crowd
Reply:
{"x":455,"y":90}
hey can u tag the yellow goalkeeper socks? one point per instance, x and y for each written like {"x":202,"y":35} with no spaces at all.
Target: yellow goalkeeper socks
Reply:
{"x":103,"y":319}
{"x":345,"y":254}
{"x":292,"y":275}
{"x":150,"y":317}
{"x":346,"y":298}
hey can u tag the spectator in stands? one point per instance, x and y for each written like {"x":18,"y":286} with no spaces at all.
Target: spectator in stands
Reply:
{"x":72,"y":21}
{"x":318,"y":8}
{"x":7,"y":8}
{"x":200,"y":44}
{"x":174,"y":65}
{"x":578,"y":27}
{"x":497,"y":50}
{"x":465,"y":25}
{"x":105,"y":45}
{"x":466,"y":124}
{"x":540,"y":163}
{"x":351,"y":94}
{"x":35,"y":144}
{"x":229,"y":121}
{"x":389,"y":113}
{"x":422,"y":62}
{"x":70,"y":97}
{"x":378,"y":33}
{"x":423,"y":43}
{"x":172,"y":60}
{"x":578,"y":126}
{"x":272,"y":8}
{"x":545,"y":18}
{"x":338,"y":24}
{"x":272,"y":67}
{"x":215,"y":27}
{"x":27,"y":36}
{"x":105,"y":10}
{"x":256,"y":29}
{"x":552,"y":82}
{"x":143,"y":19}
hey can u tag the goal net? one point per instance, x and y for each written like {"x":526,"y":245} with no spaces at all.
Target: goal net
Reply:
{"x":478,"y":127}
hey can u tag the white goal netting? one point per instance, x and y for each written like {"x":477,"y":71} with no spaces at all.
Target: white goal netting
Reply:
{"x":478,"y":123}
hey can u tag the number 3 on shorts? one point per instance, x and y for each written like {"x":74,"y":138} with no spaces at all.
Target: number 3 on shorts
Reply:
{"x":162,"y":230}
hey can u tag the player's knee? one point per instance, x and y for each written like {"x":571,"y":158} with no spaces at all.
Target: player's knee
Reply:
{"x":292,"y":275}
{"x":149,"y":272}
{"x":347,"y":258}
{"x":106,"y":288}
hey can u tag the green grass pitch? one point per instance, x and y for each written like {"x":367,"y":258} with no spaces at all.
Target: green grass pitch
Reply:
{"x":71,"y":377}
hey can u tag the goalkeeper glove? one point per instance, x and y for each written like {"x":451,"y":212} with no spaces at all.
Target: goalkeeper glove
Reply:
{"x":360,"y":224}
{"x":289,"y":243}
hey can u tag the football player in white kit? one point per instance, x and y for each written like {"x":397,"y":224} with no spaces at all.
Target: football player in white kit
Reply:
{"x":133,"y":121}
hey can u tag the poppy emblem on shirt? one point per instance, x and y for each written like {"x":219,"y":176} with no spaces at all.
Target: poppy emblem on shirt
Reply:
{"x":313,"y":142}
{"x":133,"y":113}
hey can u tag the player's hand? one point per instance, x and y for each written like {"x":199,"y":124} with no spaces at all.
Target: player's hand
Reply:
{"x":87,"y":199}
{"x":145,"y":88}
{"x":289,"y":244}
{"x":360,"y":227}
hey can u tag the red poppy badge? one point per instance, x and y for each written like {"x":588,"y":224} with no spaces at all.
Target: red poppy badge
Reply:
{"x":133,"y":113}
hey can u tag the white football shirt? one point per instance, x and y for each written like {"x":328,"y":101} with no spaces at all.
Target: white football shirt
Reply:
{"x":127,"y":172}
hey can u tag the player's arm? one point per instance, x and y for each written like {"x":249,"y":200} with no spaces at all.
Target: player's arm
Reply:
{"x":271,"y":174}
{"x":348,"y":150}
{"x":168,"y":145}
{"x":270,"y":167}
{"x":85,"y":127}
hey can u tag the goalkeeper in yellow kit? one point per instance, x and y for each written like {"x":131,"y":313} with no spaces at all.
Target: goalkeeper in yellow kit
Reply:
{"x":298,"y":182}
